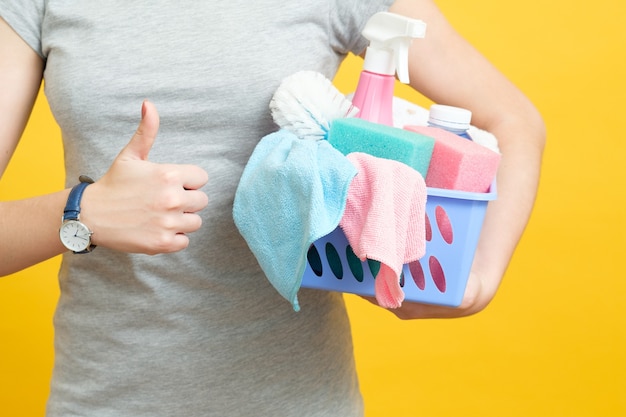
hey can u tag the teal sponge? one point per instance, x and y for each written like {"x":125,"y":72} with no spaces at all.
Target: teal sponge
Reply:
{"x":349,"y":135}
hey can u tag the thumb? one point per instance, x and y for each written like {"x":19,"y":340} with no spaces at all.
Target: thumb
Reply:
{"x":143,"y":139}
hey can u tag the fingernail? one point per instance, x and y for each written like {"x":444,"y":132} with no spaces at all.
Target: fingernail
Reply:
{"x":143,"y":109}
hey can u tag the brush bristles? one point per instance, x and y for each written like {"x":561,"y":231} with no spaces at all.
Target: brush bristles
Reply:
{"x":306,"y":103}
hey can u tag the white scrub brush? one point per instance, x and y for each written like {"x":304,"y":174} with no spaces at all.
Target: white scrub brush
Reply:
{"x":306,"y":103}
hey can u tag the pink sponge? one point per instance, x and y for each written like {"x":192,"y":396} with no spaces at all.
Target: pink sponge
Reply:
{"x":458,"y":163}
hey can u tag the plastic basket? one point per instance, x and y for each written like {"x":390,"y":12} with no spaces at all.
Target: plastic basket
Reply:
{"x":453,"y":223}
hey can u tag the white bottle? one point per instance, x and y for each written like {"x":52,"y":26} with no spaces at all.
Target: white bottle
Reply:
{"x":453,"y":119}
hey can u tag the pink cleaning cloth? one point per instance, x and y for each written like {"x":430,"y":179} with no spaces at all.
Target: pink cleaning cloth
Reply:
{"x":384,"y":220}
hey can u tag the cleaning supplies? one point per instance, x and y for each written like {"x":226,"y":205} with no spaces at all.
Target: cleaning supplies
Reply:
{"x":406,"y":113}
{"x":458,"y":163}
{"x":390,"y":36}
{"x":453,"y":119}
{"x":299,"y":198}
{"x":384,"y":220}
{"x":357,"y":135}
{"x":306,"y":103}
{"x":385,"y":207}
{"x":291,"y":193}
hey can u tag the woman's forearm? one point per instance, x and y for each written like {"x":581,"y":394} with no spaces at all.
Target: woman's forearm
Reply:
{"x":448,"y":70}
{"x":30,"y":231}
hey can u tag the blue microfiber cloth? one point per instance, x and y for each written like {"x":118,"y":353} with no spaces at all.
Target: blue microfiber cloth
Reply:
{"x":291,"y":193}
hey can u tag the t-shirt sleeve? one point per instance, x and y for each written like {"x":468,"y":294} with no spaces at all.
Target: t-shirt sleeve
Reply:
{"x":26,"y":19}
{"x":347,"y":20}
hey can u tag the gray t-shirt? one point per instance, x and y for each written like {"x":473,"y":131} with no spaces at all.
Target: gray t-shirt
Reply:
{"x":200,"y":332}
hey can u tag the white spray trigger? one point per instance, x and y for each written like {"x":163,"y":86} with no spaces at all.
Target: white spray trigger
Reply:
{"x":401,"y":52}
{"x":390,"y":32}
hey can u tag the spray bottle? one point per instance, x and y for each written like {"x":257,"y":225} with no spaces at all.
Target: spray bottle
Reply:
{"x":390,"y":36}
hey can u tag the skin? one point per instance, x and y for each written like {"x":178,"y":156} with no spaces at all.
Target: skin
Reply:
{"x":167,"y":197}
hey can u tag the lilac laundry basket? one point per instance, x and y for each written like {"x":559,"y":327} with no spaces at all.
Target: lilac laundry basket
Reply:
{"x":453,"y":223}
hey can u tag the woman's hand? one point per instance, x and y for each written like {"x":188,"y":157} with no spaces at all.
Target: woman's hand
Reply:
{"x":474,"y":300}
{"x":143,"y":207}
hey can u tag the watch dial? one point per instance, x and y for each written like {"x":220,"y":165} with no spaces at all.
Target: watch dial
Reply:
{"x":75,"y":236}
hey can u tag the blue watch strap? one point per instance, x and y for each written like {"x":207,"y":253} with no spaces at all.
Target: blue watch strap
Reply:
{"x":72,"y":207}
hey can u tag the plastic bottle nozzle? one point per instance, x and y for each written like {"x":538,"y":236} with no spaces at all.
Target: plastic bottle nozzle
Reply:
{"x":390,"y":36}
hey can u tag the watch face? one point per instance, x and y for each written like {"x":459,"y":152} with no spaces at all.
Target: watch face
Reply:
{"x":75,"y":235}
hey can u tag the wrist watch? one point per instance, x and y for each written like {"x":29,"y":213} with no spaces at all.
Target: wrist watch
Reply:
{"x":74,"y":234}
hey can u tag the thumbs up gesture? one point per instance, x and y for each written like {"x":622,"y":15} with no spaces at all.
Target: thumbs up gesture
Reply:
{"x":142,"y":207}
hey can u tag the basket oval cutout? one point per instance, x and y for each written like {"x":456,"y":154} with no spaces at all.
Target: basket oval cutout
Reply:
{"x":417,"y":272}
{"x":444,"y":225}
{"x":315,"y":261}
{"x":374,"y":267}
{"x":436,"y":272}
{"x":332,"y":256}
{"x":355,"y":264}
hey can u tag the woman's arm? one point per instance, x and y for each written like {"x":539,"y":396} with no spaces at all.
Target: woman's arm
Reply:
{"x":137,"y":206}
{"x":28,"y":228}
{"x":448,"y":70}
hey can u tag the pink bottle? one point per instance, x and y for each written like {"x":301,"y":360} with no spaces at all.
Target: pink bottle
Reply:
{"x":390,"y":36}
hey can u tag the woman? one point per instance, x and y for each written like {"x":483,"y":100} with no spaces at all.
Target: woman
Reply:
{"x":195,"y":329}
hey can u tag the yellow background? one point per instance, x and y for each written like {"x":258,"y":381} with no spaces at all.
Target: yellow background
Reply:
{"x":553,"y":343}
